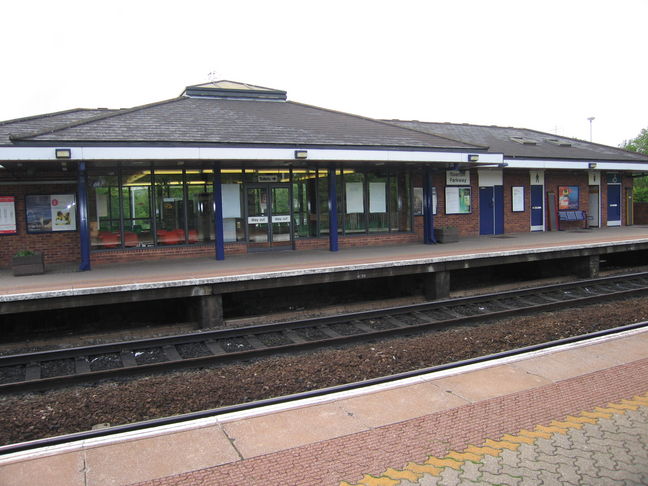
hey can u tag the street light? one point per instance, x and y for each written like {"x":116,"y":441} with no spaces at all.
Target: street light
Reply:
{"x":591,"y":119}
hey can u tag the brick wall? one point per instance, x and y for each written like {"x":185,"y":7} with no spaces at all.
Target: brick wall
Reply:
{"x":57,"y":247}
{"x":160,"y":252}
{"x":516,"y":222}
{"x":641,"y":213}
{"x":554,"y":179}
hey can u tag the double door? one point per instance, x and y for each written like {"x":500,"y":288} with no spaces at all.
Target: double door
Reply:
{"x":269,"y":219}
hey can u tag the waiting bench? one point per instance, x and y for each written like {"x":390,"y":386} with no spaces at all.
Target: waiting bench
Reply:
{"x":572,"y":215}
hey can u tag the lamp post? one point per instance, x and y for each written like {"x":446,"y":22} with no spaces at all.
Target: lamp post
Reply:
{"x":591,"y":119}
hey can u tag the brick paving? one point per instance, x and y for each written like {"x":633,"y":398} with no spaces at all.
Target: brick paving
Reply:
{"x":577,"y":431}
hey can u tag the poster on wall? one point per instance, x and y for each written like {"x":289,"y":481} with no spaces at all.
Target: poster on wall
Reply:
{"x":457,"y":200}
{"x":418,"y":201}
{"x":354,"y":198}
{"x":49,"y":213}
{"x":377,"y":197}
{"x":517,"y":197}
{"x":7,"y":215}
{"x":567,"y":197}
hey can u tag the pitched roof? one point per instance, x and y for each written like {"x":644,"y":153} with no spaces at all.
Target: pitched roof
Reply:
{"x":223,"y":120}
{"x":524,"y":143}
{"x":49,"y":121}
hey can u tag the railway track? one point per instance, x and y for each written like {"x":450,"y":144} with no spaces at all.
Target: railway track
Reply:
{"x":51,"y":369}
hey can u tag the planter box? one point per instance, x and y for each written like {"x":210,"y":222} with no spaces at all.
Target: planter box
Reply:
{"x":28,"y":265}
{"x":446,"y":235}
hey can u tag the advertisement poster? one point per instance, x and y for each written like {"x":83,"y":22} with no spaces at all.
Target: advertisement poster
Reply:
{"x":46,"y":213}
{"x":567,"y":197}
{"x":518,"y":198}
{"x":7,"y":215}
{"x":458,"y":200}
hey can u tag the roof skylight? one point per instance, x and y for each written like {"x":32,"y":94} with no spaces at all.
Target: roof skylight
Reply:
{"x":524,"y":140}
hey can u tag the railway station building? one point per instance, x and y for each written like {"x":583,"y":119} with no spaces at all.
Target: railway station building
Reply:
{"x":230,"y":168}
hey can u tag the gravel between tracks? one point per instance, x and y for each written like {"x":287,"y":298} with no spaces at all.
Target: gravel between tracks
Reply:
{"x":32,"y":416}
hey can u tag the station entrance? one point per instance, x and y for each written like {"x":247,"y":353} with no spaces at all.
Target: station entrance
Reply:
{"x":269,"y":216}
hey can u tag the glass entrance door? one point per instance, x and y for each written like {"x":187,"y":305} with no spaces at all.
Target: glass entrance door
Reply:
{"x":268,"y":215}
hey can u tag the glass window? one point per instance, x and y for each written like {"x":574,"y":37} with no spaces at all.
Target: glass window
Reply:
{"x":136,"y":200}
{"x":400,"y":202}
{"x":200,"y":206}
{"x":103,"y":210}
{"x":169,"y":207}
{"x":232,"y":190}
{"x":377,"y":184}
{"x":305,"y":203}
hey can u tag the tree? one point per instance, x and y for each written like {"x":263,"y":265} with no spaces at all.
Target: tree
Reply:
{"x":639,"y":144}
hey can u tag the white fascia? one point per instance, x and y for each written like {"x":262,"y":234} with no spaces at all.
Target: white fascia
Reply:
{"x":256,"y":154}
{"x":583,"y":165}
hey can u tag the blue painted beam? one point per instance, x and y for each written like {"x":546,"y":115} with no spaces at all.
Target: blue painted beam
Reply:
{"x":84,"y":227}
{"x":219,"y":239}
{"x":428,"y":208}
{"x":332,"y":203}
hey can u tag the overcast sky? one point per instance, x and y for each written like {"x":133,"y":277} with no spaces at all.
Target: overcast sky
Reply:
{"x":546,"y":65}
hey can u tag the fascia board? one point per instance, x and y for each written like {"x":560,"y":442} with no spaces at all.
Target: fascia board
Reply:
{"x":564,"y":164}
{"x":227,"y":153}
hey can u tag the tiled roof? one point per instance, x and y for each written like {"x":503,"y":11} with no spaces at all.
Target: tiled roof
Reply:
{"x":524,"y":143}
{"x":23,"y":126}
{"x":188,"y":120}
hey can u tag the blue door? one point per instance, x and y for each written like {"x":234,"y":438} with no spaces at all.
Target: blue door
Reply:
{"x":498,"y":209}
{"x":486,"y":206}
{"x":614,"y":204}
{"x":536,"y":208}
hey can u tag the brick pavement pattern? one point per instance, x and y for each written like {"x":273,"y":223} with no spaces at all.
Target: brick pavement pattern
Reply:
{"x":527,"y":430}
{"x":604,"y":447}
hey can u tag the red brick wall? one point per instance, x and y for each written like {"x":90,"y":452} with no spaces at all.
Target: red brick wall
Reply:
{"x":159,"y":253}
{"x":57,"y":247}
{"x":518,"y":222}
{"x":640,"y":213}
{"x":553,"y":179}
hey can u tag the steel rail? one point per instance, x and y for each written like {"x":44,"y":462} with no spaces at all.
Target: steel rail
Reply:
{"x":450,"y":312}
{"x":149,"y":424}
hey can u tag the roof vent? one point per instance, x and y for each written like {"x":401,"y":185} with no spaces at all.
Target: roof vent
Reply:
{"x":560,"y":143}
{"x":233,"y":90}
{"x":524,"y":140}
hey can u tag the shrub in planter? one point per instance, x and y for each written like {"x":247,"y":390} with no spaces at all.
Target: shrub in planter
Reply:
{"x":446,"y":234}
{"x":27,"y":262}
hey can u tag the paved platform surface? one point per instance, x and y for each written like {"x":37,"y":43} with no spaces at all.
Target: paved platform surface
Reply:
{"x":185,"y":271}
{"x":576,"y":415}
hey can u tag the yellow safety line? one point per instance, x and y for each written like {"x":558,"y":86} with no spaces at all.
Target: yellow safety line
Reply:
{"x":490,"y":447}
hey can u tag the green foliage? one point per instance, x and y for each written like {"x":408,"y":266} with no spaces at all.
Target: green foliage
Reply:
{"x":639,"y":144}
{"x":22,"y":253}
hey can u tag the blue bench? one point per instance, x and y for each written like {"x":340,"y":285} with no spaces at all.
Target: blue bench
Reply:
{"x":572,"y":215}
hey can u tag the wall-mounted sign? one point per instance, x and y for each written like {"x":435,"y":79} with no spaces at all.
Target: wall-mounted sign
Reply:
{"x":282,"y":218}
{"x":567,"y":197}
{"x":268,"y":178}
{"x":457,"y":177}
{"x":536,"y":177}
{"x":257,"y":219}
{"x":48,"y":213}
{"x":517,"y":198}
{"x":7,"y":215}
{"x":613,"y":178}
{"x":457,"y":200}
{"x":594,"y":177}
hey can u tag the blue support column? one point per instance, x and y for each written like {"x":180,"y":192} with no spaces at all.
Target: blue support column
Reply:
{"x":84,"y":227}
{"x":333,"y":224}
{"x":219,"y":239}
{"x":428,"y":208}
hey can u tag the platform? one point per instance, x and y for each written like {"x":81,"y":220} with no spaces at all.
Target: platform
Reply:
{"x":205,"y":277}
{"x":573,"y":415}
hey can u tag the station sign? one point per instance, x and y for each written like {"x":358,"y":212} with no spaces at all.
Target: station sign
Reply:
{"x":457,"y":177}
{"x":257,"y":219}
{"x":281,"y":219}
{"x":613,"y":178}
